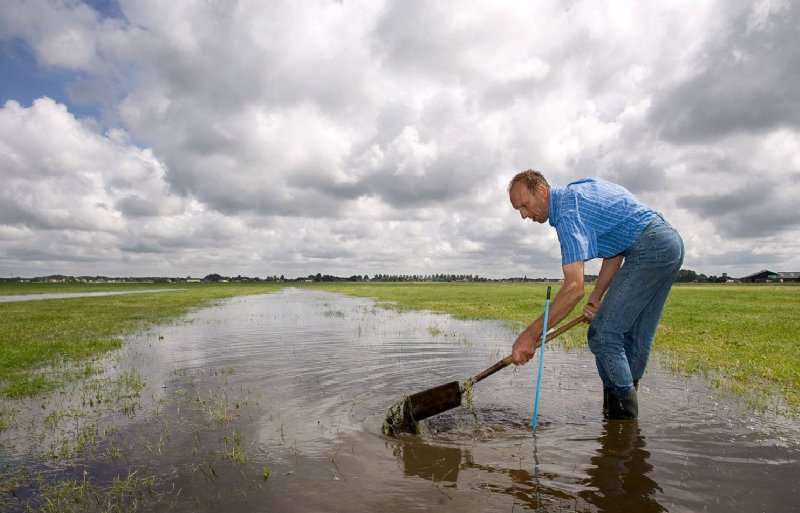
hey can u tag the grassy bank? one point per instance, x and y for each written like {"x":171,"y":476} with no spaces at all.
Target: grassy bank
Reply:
{"x":743,"y":337}
{"x":39,"y":337}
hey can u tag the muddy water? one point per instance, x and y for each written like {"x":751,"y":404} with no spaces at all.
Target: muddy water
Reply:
{"x":275,"y":403}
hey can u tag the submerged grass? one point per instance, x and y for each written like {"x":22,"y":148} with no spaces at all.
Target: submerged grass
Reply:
{"x":743,"y":337}
{"x":39,"y":337}
{"x":93,"y":465}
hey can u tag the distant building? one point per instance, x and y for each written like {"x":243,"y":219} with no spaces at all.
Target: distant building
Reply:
{"x":771,"y":277}
{"x":761,"y":277}
{"x":790,"y":277}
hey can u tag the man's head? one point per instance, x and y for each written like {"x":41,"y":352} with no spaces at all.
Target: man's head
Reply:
{"x":529,"y":193}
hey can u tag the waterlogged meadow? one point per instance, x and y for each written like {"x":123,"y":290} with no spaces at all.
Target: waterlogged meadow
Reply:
{"x":46,"y":343}
{"x":203,"y":401}
{"x":742,"y":337}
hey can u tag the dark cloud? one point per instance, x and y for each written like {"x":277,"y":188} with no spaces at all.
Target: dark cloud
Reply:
{"x":746,"y":257}
{"x":632,"y":168}
{"x":58,"y":247}
{"x":414,"y":37}
{"x":638,"y":175}
{"x":755,"y":210}
{"x":452,"y":176}
{"x":136,"y":206}
{"x":144,"y":246}
{"x":748,"y":81}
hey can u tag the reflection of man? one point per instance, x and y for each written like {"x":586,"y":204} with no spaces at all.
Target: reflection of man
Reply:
{"x":618,"y":477}
{"x":597,"y":219}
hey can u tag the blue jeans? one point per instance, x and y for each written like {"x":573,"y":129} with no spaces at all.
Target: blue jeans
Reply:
{"x":624,"y":327}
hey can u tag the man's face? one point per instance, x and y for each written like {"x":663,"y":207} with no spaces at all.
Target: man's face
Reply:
{"x":533,"y":206}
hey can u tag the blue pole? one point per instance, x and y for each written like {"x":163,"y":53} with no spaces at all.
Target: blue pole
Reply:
{"x":541,"y":359}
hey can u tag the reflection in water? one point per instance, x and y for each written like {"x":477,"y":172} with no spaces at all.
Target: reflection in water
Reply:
{"x":526,"y":486}
{"x":618,"y":476}
{"x":618,"y":479}
{"x":431,"y":462}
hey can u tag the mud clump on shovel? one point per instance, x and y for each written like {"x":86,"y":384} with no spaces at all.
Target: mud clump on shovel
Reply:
{"x":466,"y":393}
{"x":399,"y":420}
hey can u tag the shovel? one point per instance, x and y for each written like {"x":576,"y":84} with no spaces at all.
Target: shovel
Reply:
{"x":403,"y":416}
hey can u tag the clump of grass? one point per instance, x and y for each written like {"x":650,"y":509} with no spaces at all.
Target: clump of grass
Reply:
{"x":129,"y":494}
{"x":467,"y":392}
{"x":8,"y":417}
{"x":434,"y":331}
{"x":233,"y":448}
{"x":129,"y":384}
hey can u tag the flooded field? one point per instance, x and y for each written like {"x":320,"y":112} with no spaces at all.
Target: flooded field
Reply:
{"x":67,"y":295}
{"x":275,"y":403}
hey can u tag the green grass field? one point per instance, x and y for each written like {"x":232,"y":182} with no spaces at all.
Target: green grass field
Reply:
{"x":743,"y":337}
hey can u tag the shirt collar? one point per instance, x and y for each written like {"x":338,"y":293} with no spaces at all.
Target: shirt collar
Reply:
{"x":555,"y":203}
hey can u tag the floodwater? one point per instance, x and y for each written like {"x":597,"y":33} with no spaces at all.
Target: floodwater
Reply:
{"x":275,"y":403}
{"x":67,"y":295}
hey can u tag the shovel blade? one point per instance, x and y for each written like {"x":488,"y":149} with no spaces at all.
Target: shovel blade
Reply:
{"x":404,"y":416}
{"x":435,"y":400}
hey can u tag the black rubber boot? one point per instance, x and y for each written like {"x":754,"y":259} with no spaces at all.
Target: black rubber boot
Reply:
{"x":623,"y":409}
{"x":605,"y":403}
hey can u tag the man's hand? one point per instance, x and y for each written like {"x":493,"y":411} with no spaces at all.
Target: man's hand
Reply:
{"x":524,"y":347}
{"x":590,"y":309}
{"x":608,"y":270}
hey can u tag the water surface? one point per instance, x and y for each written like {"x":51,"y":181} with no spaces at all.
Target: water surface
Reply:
{"x":297,"y":383}
{"x":67,"y":295}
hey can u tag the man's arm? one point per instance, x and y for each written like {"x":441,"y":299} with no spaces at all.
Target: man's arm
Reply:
{"x":608,"y":269}
{"x":565,"y":301}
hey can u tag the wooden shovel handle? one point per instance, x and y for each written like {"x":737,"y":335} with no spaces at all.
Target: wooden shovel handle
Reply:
{"x":505,"y":362}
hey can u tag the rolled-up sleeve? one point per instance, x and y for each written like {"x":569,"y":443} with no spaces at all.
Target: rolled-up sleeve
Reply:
{"x":575,"y":240}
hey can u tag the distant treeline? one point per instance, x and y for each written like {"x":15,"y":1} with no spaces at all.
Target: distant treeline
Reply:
{"x":319,"y":277}
{"x":684,"y":276}
{"x":689,"y":276}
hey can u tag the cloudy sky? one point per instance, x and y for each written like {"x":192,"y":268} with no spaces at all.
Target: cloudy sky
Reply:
{"x":143,"y":137}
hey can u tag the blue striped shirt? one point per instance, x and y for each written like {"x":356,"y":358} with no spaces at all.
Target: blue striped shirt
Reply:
{"x":595,"y":218}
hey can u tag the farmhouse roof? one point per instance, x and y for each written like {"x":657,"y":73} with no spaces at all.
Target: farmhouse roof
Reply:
{"x":759,"y":273}
{"x":781,"y":275}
